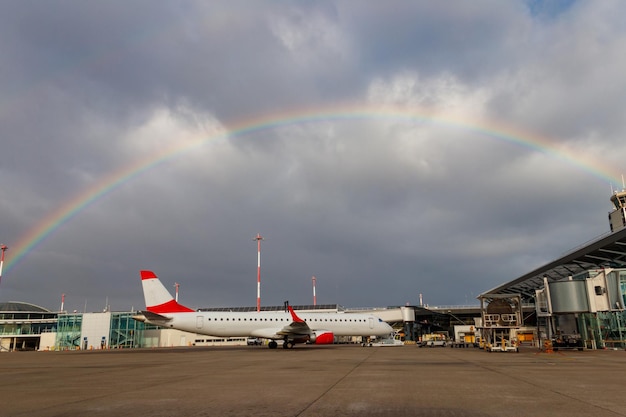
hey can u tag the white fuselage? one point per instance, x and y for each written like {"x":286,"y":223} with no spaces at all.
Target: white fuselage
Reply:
{"x":267,"y":324}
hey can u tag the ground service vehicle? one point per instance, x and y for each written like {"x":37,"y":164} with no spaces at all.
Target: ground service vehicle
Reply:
{"x":433,"y":339}
{"x":567,"y":341}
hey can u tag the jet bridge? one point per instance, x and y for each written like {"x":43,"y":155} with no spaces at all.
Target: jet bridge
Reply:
{"x":598,"y":304}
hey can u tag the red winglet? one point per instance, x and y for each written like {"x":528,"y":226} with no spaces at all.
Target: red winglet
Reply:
{"x":147,"y":275}
{"x":294,"y":316}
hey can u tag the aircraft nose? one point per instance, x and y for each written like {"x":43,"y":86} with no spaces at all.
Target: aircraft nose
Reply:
{"x":385,"y":325}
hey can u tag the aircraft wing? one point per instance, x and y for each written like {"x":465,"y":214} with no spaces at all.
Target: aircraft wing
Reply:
{"x":298,"y":327}
{"x":295,"y":330}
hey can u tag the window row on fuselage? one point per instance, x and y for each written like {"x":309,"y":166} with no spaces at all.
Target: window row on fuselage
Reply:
{"x":283,"y":319}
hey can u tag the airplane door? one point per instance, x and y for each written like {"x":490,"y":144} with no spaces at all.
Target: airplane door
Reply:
{"x":371,"y":320}
{"x":199,"y":321}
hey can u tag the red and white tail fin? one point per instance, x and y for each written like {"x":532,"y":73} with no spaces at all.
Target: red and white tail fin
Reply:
{"x":158,"y":299}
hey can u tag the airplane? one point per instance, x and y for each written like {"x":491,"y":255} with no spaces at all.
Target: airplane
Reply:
{"x":286,"y":326}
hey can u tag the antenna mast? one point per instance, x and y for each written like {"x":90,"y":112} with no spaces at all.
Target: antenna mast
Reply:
{"x":258,"y":239}
{"x":3,"y":248}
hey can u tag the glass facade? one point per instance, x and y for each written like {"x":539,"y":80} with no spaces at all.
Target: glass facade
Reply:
{"x":622,"y":286}
{"x":603,"y":329}
{"x":125,"y":332}
{"x":19,"y":323}
{"x":68,"y":331}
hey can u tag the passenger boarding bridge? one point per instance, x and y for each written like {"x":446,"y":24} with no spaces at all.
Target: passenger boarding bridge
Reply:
{"x":580,"y":298}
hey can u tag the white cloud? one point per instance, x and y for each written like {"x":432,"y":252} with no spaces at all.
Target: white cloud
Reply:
{"x":443,"y":94}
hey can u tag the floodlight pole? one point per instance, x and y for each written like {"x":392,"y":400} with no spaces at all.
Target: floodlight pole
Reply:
{"x":258,"y":239}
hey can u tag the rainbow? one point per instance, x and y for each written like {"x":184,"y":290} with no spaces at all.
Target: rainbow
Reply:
{"x":63,"y":214}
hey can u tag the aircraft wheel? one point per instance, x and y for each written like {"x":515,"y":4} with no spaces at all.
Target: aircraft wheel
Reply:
{"x":272,"y":344}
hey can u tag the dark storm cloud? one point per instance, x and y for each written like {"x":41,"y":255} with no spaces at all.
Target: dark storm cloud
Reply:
{"x":379,"y":209}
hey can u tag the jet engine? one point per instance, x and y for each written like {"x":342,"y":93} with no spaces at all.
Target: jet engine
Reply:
{"x":322,"y":337}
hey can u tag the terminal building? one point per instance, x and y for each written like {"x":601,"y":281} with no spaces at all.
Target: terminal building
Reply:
{"x":576,"y":301}
{"x":22,"y":324}
{"x":580,"y":298}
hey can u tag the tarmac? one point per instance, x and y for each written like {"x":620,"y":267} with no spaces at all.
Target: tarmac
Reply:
{"x":333,"y":380}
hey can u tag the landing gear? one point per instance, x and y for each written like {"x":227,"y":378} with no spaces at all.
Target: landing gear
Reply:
{"x":287,"y":344}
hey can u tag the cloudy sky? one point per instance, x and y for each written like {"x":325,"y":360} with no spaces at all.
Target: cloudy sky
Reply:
{"x":386,"y":148}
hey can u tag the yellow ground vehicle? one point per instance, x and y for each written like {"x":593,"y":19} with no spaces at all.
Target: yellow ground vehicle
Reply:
{"x":434,"y":339}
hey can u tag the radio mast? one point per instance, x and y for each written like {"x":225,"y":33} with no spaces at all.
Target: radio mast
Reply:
{"x":258,"y":239}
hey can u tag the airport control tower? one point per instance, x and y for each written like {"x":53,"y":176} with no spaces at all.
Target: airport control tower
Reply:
{"x":617,"y":217}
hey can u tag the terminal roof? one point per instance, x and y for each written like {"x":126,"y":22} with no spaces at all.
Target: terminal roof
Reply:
{"x":608,"y":251}
{"x":18,"y":306}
